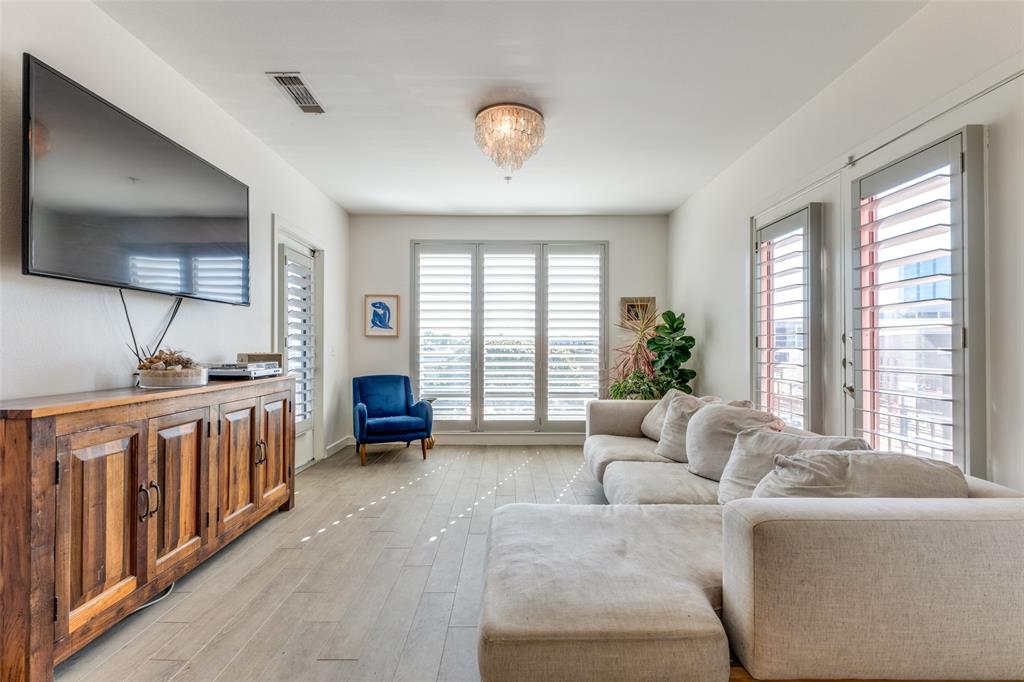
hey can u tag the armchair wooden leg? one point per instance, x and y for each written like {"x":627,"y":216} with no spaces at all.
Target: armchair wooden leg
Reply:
{"x":362,"y":455}
{"x":423,"y":446}
{"x":408,"y":443}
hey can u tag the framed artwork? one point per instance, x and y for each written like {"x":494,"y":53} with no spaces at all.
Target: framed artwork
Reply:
{"x":380,"y":315}
{"x":632,"y":307}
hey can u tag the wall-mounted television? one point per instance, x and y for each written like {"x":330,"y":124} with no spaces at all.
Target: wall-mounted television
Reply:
{"x":108,"y":200}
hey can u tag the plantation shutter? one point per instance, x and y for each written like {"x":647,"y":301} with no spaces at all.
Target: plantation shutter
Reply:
{"x":444,"y":323}
{"x":221,"y":278}
{"x":908,"y":306}
{"x":509,"y":333}
{"x":574,"y":322}
{"x":299,"y":331}
{"x":787,"y":316}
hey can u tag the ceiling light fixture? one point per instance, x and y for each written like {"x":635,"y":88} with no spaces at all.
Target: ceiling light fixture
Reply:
{"x":509,"y":134}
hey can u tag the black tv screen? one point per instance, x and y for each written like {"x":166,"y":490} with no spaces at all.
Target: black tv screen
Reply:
{"x":109,"y":200}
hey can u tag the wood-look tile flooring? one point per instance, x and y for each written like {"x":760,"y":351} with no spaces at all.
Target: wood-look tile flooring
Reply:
{"x":375,"y":575}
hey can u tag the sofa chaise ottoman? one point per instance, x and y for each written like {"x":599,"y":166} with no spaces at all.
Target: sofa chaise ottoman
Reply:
{"x":597,"y":592}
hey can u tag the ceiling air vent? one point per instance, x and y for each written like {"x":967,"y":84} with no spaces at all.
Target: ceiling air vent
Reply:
{"x":297,"y":91}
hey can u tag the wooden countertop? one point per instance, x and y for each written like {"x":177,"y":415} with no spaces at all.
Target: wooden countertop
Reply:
{"x":51,"y":405}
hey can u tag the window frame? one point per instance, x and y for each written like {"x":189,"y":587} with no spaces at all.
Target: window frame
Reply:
{"x":810,"y":217}
{"x":964,"y":149}
{"x":540,"y":423}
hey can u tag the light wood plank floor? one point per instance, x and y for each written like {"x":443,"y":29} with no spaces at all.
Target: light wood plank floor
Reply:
{"x":375,"y":575}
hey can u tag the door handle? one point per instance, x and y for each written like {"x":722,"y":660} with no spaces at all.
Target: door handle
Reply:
{"x":261,"y":447}
{"x":149,"y":501}
{"x":159,"y":497}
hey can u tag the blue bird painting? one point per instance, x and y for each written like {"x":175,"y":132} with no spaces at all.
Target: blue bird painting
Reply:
{"x":380,"y":318}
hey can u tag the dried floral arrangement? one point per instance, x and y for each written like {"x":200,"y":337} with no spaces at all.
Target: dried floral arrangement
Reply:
{"x":168,"y":360}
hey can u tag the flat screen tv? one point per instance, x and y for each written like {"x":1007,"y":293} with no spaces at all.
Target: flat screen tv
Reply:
{"x":109,"y":200}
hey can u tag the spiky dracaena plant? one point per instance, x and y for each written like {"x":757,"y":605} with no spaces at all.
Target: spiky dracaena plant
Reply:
{"x":635,"y":356}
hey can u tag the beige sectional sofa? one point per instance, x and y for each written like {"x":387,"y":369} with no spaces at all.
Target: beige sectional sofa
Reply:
{"x":663,"y":583}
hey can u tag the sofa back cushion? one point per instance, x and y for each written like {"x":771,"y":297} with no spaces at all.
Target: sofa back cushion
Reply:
{"x":753,"y":456}
{"x":712,"y":431}
{"x":828,"y":473}
{"x":672,"y":444}
{"x":655,"y":419}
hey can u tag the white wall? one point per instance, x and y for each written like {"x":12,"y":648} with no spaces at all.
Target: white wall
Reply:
{"x":381,"y":251}
{"x":943,"y":54}
{"x":61,"y":336}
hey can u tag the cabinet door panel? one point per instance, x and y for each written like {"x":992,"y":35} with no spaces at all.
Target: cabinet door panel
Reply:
{"x":237,"y":466}
{"x":99,"y":507}
{"x":275,"y":427}
{"x":177,"y":479}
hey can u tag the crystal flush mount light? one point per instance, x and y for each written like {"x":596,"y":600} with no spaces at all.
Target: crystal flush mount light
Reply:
{"x":509,"y":134}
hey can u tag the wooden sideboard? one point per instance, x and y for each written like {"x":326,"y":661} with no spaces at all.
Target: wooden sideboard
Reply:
{"x":108,"y":497}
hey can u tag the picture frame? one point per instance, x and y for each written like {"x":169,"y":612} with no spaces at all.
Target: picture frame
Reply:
{"x":381,"y":315}
{"x":630,"y":307}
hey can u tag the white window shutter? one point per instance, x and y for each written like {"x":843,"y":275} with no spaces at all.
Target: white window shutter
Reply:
{"x":574,"y":320}
{"x":787,"y":318}
{"x":300,"y":352}
{"x":509,"y":333}
{"x":908,"y":306}
{"x":444,"y":310}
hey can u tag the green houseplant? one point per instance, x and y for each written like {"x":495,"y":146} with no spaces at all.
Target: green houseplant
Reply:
{"x":651,"y":362}
{"x":672,"y":348}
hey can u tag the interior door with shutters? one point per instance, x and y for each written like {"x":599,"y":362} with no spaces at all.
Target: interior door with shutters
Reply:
{"x":178,"y":474}
{"x":103,"y":505}
{"x":272,"y":471}
{"x":238,"y":431}
{"x":298,"y":314}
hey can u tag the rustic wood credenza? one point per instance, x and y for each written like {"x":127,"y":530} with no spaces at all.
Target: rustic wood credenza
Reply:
{"x":108,"y":497}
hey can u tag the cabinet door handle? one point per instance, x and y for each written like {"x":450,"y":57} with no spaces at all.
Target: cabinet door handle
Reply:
{"x":261,"y":448}
{"x":159,"y":497}
{"x":149,"y":500}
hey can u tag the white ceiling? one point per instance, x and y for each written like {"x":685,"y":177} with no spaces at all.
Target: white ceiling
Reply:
{"x":644,"y":101}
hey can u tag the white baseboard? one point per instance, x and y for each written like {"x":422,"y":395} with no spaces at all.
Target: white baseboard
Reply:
{"x":339,"y":445}
{"x":508,"y":438}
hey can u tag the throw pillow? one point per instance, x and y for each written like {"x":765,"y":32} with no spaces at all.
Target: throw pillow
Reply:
{"x":712,"y":431}
{"x":824,"y":473}
{"x":655,"y":419}
{"x":753,"y":457}
{"x":672,"y":444}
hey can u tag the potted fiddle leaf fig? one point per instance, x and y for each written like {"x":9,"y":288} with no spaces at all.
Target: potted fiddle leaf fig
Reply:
{"x":672,"y":348}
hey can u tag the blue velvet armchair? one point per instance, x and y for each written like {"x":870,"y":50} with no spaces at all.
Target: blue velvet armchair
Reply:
{"x":383,"y":411}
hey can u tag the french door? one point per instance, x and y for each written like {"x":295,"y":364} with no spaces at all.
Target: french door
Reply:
{"x":909,"y":305}
{"x":508,"y":336}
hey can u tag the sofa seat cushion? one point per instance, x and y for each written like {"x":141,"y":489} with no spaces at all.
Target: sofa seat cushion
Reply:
{"x":656,"y":483}
{"x":399,"y":424}
{"x":597,"y":592}
{"x":600,"y":451}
